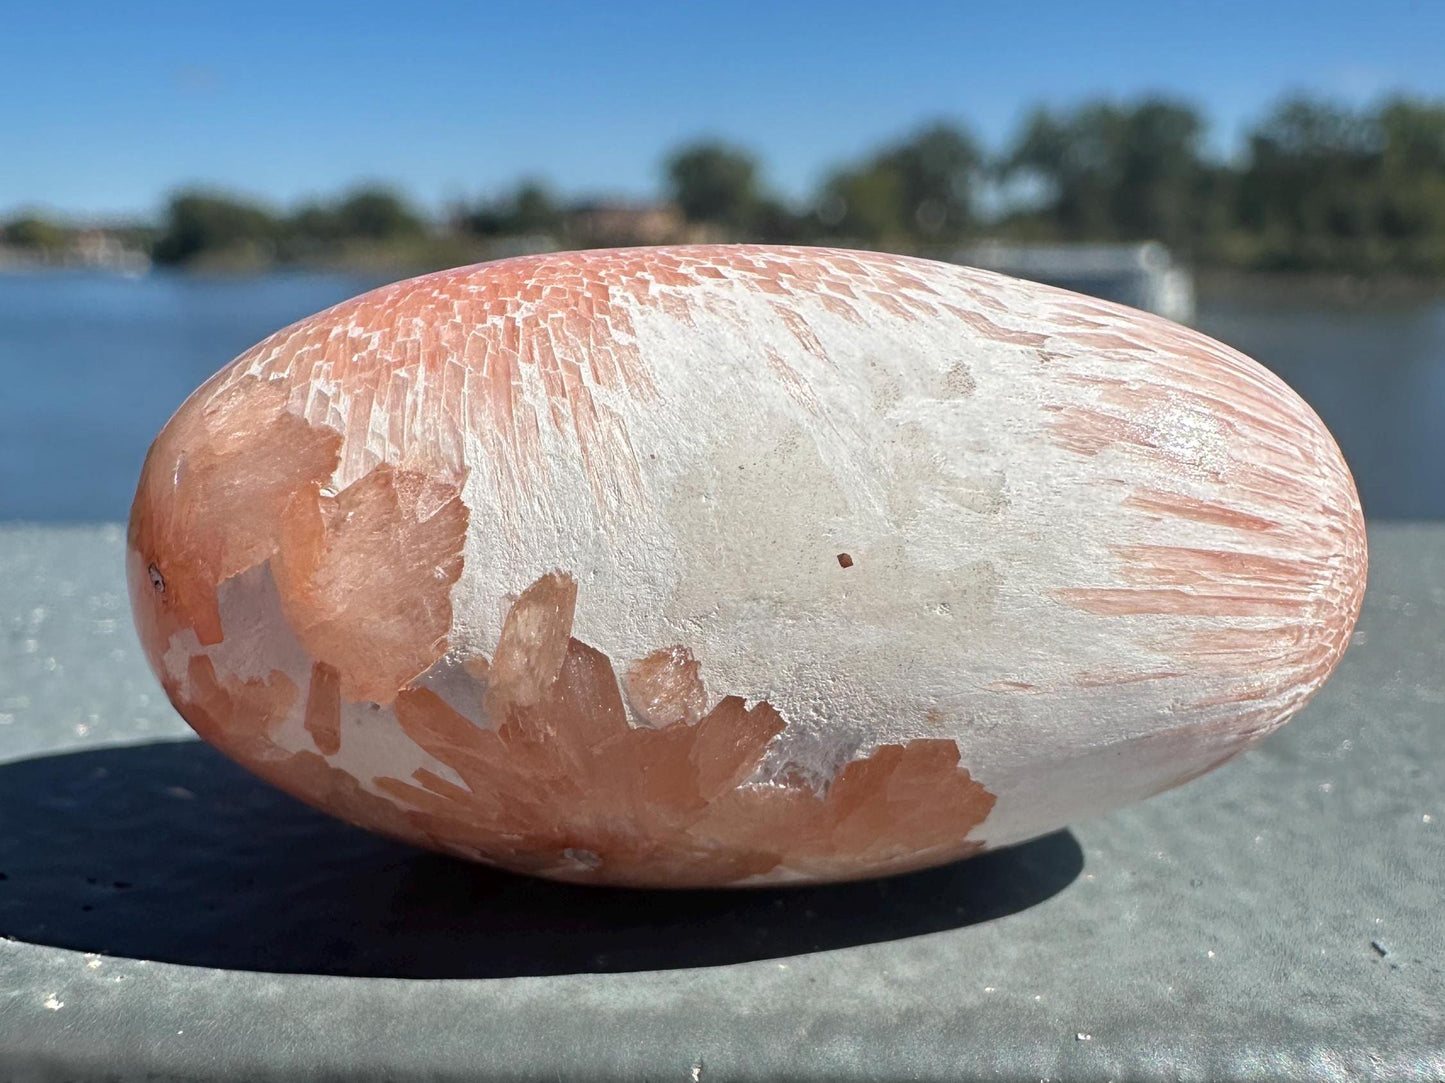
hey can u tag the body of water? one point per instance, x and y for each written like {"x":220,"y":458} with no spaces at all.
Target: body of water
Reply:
{"x":1375,"y":373}
{"x":93,"y":366}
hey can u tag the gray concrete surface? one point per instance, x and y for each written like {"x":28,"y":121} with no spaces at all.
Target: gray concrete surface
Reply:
{"x":167,"y":918}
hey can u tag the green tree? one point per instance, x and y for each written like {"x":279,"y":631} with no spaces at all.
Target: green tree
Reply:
{"x":937,"y":170}
{"x":715,"y":183}
{"x":1161,"y":173}
{"x":530,"y":208}
{"x":1412,"y":212}
{"x":369,"y":213}
{"x":534,"y":209}
{"x":1131,"y":172}
{"x":775,"y":222}
{"x":1310,"y":191}
{"x":866,"y":204}
{"x":313,"y":224}
{"x":918,"y":190}
{"x":198,"y":223}
{"x":33,"y":232}
{"x":376,"y":214}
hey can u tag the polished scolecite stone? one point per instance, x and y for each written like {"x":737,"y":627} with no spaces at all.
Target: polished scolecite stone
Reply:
{"x":737,"y":565}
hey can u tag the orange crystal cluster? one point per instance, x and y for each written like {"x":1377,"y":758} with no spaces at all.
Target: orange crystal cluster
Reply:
{"x":564,"y":784}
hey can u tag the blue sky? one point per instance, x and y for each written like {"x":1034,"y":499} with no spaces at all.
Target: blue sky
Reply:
{"x":104,"y":108}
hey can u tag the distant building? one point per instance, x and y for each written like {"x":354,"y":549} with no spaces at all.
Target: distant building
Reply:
{"x":103,"y":250}
{"x":1142,"y":276}
{"x":613,"y":223}
{"x":91,"y":248}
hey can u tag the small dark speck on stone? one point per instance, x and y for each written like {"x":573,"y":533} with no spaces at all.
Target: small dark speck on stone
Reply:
{"x":844,"y":560}
{"x":122,"y":884}
{"x":3,"y":876}
{"x":1380,"y":949}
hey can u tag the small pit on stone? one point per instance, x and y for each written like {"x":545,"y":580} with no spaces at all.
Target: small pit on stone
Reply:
{"x":844,"y":560}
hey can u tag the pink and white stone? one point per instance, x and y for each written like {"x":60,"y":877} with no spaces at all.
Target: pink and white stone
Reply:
{"x":739,"y":565}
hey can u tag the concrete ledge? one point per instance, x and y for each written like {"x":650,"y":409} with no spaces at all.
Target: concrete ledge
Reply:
{"x":166,"y":916}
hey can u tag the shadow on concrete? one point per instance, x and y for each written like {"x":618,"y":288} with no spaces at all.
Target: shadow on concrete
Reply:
{"x":169,"y":852}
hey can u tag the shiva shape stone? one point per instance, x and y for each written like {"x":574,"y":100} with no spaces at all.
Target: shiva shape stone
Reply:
{"x":731,"y":565}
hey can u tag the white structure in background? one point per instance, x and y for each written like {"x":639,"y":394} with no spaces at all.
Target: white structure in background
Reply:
{"x":1140,"y":275}
{"x":91,"y":249}
{"x":102,"y":251}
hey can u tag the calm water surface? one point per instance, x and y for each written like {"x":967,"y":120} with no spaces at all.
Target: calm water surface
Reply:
{"x":94,"y":365}
{"x":1375,"y":374}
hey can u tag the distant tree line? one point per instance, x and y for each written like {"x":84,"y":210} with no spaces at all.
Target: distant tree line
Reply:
{"x":197,"y":223}
{"x":1316,"y":187}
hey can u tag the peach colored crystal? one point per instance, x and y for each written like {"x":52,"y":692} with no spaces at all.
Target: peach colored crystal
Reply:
{"x":664,"y":687}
